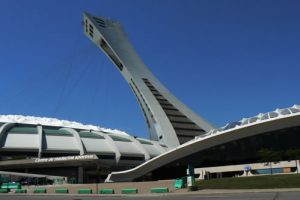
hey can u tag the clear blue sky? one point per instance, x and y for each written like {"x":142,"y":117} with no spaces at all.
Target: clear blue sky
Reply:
{"x":224,"y":59}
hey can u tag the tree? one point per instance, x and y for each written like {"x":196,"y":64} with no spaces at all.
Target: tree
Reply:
{"x":268,"y":155}
{"x":293,"y":154}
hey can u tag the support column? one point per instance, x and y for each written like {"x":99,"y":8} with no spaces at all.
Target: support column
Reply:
{"x":40,"y":138}
{"x":80,"y":175}
{"x":219,"y":175}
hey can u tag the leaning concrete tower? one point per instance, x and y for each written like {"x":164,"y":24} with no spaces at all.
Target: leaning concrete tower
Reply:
{"x":169,"y":121}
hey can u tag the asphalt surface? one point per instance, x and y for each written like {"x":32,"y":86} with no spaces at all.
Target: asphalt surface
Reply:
{"x":193,"y":196}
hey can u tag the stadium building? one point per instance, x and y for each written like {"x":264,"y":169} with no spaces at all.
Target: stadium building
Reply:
{"x":178,"y":136}
{"x":62,"y":148}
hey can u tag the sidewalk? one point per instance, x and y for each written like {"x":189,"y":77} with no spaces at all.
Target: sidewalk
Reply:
{"x":183,"y":192}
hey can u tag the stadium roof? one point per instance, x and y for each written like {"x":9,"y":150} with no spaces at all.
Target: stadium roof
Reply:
{"x":54,"y":122}
{"x":278,"y":113}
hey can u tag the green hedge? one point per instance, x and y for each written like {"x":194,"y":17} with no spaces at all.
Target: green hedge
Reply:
{"x":254,"y":182}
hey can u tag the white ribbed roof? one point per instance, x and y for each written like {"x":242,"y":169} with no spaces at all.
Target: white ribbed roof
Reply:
{"x":54,"y":122}
{"x":294,"y":110}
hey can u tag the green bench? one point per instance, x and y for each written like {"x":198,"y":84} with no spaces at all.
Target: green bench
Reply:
{"x":85,"y":191}
{"x":129,"y":191}
{"x":106,"y":191}
{"x":160,"y":190}
{"x":62,"y":190}
{"x":40,"y":190}
{"x":21,"y":191}
{"x":4,"y":190}
{"x":11,"y":186}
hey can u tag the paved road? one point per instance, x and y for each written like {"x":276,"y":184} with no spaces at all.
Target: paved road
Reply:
{"x":237,"y":196}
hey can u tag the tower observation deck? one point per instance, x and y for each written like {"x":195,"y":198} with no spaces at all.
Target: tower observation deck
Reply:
{"x":169,"y":121}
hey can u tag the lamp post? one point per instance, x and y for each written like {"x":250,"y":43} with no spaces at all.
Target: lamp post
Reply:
{"x":191,"y":178}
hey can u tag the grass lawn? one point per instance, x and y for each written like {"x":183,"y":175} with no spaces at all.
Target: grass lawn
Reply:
{"x":257,"y":182}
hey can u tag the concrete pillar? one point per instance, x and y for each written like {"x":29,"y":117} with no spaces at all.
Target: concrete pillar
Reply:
{"x":40,"y":140}
{"x":80,"y":175}
{"x":201,"y":175}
